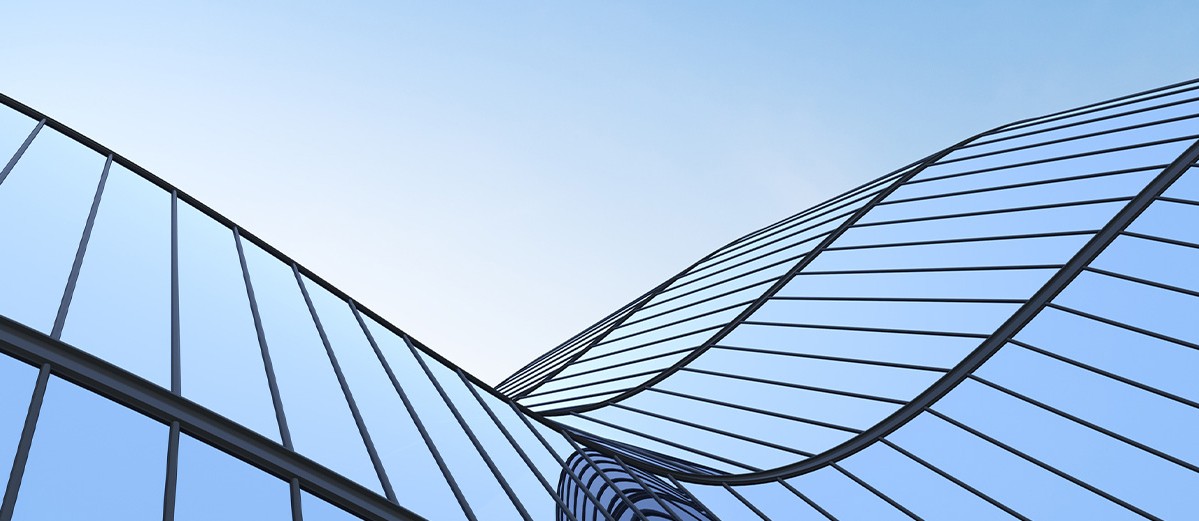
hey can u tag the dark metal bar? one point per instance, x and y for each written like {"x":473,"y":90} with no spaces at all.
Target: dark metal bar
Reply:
{"x":172,"y":481}
{"x":796,"y":386}
{"x":420,"y":425}
{"x":1012,"y":186}
{"x":746,"y":502}
{"x":1147,"y":282}
{"x":647,"y":344}
{"x":176,"y":367}
{"x":1017,"y":209}
{"x":588,"y":384}
{"x":954,"y":480}
{"x":931,"y":270}
{"x":646,"y":487}
{"x":696,"y":290}
{"x":693,"y":498}
{"x":670,"y":443}
{"x":868,"y":329}
{"x":1107,"y":432}
{"x":117,"y":384}
{"x":60,"y":319}
{"x":962,"y":240}
{"x":757,"y":410}
{"x":582,"y":486}
{"x":373,"y":453}
{"x":714,"y":430}
{"x":1122,"y":325}
{"x":269,"y":367}
{"x":1175,"y":242}
{"x":876,"y":492}
{"x":604,"y":476}
{"x":620,"y":364}
{"x":22,"y":456}
{"x":807,"y":500}
{"x":690,"y":305}
{"x":905,"y":299}
{"x":445,"y":397}
{"x":675,"y":323}
{"x":1095,"y":107}
{"x":1113,"y":376}
{"x":297,"y":505}
{"x":1072,"y":138}
{"x":20,"y":150}
{"x":1043,"y":465}
{"x":570,"y":399}
{"x":516,"y":446}
{"x":830,"y":358}
{"x":1060,"y":158}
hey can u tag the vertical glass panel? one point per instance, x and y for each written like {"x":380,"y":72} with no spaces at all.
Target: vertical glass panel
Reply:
{"x":215,"y":485}
{"x":482,"y":492}
{"x":413,"y":472}
{"x":318,"y":414}
{"x":92,"y":459}
{"x":121,"y":308}
{"x":16,"y":386}
{"x":317,"y":509}
{"x":842,"y":497}
{"x":1022,"y":486}
{"x":918,"y":488}
{"x":44,"y":203}
{"x":1138,"y":477}
{"x":778,"y":503}
{"x":220,"y":359}
{"x":720,"y":502}
{"x":14,"y":129}
{"x":513,"y":469}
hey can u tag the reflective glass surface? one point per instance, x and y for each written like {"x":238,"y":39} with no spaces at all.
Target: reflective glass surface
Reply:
{"x":215,"y":485}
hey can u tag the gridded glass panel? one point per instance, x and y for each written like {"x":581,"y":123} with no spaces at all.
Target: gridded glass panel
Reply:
{"x":778,"y":503}
{"x":1067,"y":218}
{"x":960,"y":317}
{"x":656,"y":444}
{"x":997,"y":284}
{"x":1154,"y":261}
{"x":92,"y":459}
{"x":1006,"y":252}
{"x":813,"y":405}
{"x":1185,"y":187}
{"x":531,"y":494}
{"x":842,"y":497}
{"x":918,"y":488}
{"x":922,"y":350}
{"x":220,"y":359}
{"x":215,"y":485}
{"x":1158,"y":422}
{"x":16,"y":386}
{"x":121,"y":308}
{"x":317,"y":509}
{"x":1141,"y":358}
{"x":1015,"y":482}
{"x":14,"y":129}
{"x":720,"y":502}
{"x":413,"y":472}
{"x":482,"y":491}
{"x":1164,"y":219}
{"x":1161,"y":311}
{"x":318,"y":414}
{"x":44,"y":203}
{"x":1095,"y":458}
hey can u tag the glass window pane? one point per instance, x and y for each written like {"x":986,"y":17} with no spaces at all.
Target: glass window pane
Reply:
{"x":413,"y":472}
{"x":215,"y":485}
{"x":220,"y":359}
{"x":317,"y":509}
{"x":121,"y":308}
{"x":1161,"y":311}
{"x":317,"y":412}
{"x":44,"y":203}
{"x":482,"y":492}
{"x":1185,"y":187}
{"x":842,"y":497}
{"x":92,"y":459}
{"x":14,"y":129}
{"x":16,"y":386}
{"x":1151,"y":260}
{"x":721,"y":502}
{"x":1165,"y":219}
{"x":918,"y":488}
{"x":778,"y":503}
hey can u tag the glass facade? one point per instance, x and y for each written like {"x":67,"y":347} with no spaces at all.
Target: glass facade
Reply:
{"x":1002,"y":329}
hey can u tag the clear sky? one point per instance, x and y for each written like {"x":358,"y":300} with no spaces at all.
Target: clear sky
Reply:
{"x":495,"y":176}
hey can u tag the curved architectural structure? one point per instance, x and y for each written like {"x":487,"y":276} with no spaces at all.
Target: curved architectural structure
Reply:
{"x":1003,"y":329}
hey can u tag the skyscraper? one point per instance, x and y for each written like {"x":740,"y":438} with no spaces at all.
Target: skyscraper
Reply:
{"x":1002,"y":329}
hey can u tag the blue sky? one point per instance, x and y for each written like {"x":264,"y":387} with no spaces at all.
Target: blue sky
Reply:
{"x":494,"y":177}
